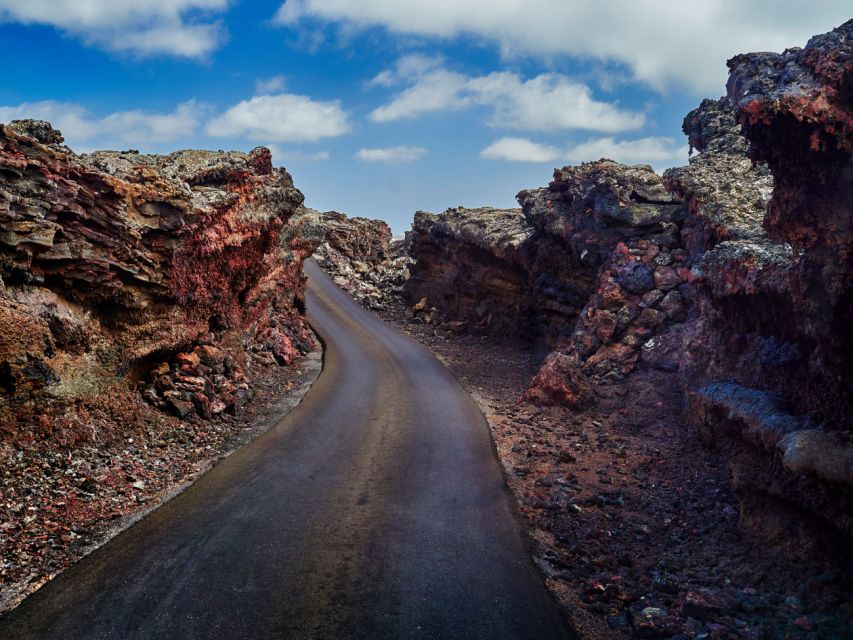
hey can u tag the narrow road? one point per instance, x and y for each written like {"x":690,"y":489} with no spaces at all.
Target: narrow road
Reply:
{"x":375,"y":509}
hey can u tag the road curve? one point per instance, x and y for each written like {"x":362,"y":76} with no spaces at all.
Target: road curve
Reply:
{"x":375,"y":509}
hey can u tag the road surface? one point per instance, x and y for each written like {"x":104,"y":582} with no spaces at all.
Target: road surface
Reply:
{"x":375,"y":509}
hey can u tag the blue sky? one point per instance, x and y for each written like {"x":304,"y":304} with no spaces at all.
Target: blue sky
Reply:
{"x":383,"y":107}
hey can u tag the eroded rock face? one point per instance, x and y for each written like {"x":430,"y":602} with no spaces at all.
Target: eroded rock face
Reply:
{"x":733,"y":273}
{"x":772,"y":386}
{"x":470,"y":266}
{"x":531,"y":272}
{"x":797,"y":114}
{"x":617,"y":230}
{"x":361,"y":257}
{"x":167,"y":272}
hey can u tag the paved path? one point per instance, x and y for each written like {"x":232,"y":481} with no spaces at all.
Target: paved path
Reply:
{"x":375,"y":509}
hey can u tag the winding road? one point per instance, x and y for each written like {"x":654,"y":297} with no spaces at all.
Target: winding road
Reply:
{"x":375,"y":509}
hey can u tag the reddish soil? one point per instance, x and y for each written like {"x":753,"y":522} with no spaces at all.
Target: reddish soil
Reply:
{"x":120,"y":460}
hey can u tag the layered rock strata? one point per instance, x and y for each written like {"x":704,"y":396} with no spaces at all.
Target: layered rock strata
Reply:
{"x":164,"y":272}
{"x":470,"y":265}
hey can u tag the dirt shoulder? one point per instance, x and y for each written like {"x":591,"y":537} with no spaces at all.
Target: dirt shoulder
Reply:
{"x":60,"y":504}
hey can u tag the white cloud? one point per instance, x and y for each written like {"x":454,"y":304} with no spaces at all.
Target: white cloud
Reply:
{"x":284,"y":117}
{"x":547,"y":102}
{"x":438,"y":90}
{"x":662,"y":42}
{"x":275,"y":84}
{"x":183,"y":28}
{"x":391,"y":155}
{"x":415,"y":64}
{"x":520,"y":150}
{"x":657,"y":151}
{"x":283,"y":157}
{"x":82,"y":130}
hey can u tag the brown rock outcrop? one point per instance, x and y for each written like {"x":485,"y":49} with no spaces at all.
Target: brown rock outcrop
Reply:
{"x":165,"y":272}
{"x":470,"y":264}
{"x":796,"y":112}
{"x":361,"y":257}
{"x":617,"y":228}
{"x":773,"y":387}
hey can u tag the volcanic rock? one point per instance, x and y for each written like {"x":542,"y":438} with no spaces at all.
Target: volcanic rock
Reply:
{"x":361,"y":257}
{"x":128,"y":269}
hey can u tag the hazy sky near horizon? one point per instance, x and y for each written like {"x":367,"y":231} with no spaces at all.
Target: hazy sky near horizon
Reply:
{"x":382,"y":107}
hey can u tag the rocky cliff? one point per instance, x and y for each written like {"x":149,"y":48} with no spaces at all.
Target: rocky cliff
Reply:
{"x":733,"y":274}
{"x":164,"y":272}
{"x":773,"y":387}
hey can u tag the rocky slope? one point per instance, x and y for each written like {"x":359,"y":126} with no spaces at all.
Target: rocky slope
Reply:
{"x":361,"y":257}
{"x":140,"y":298}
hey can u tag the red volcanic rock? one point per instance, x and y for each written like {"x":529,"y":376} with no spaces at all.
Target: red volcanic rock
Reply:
{"x":470,"y":265}
{"x":161,"y":271}
{"x":767,"y":364}
{"x":797,"y":114}
{"x":358,"y":239}
{"x":559,"y":381}
{"x":612,"y":232}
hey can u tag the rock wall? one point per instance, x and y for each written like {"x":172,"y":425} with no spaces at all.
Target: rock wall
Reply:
{"x":733,"y":273}
{"x":361,"y":257}
{"x":773,"y":388}
{"x":470,"y":265}
{"x":618,"y":229}
{"x":167,"y":273}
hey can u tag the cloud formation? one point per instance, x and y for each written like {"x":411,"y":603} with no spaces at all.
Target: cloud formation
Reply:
{"x":657,"y":151}
{"x":275,"y":84}
{"x":546,"y":102}
{"x":520,"y":150}
{"x":663,"y":43}
{"x":284,"y":117}
{"x":391,"y":155}
{"x":284,"y":157}
{"x":82,"y":130}
{"x":653,"y":150}
{"x":183,"y":28}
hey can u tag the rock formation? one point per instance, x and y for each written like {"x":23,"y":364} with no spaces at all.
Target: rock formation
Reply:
{"x":167,"y":273}
{"x":774,"y":389}
{"x":620,"y":229}
{"x":733,"y":273}
{"x":361,"y":257}
{"x":470,"y":265}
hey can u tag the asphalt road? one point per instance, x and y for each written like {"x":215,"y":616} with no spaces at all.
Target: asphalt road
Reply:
{"x":375,"y":509}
